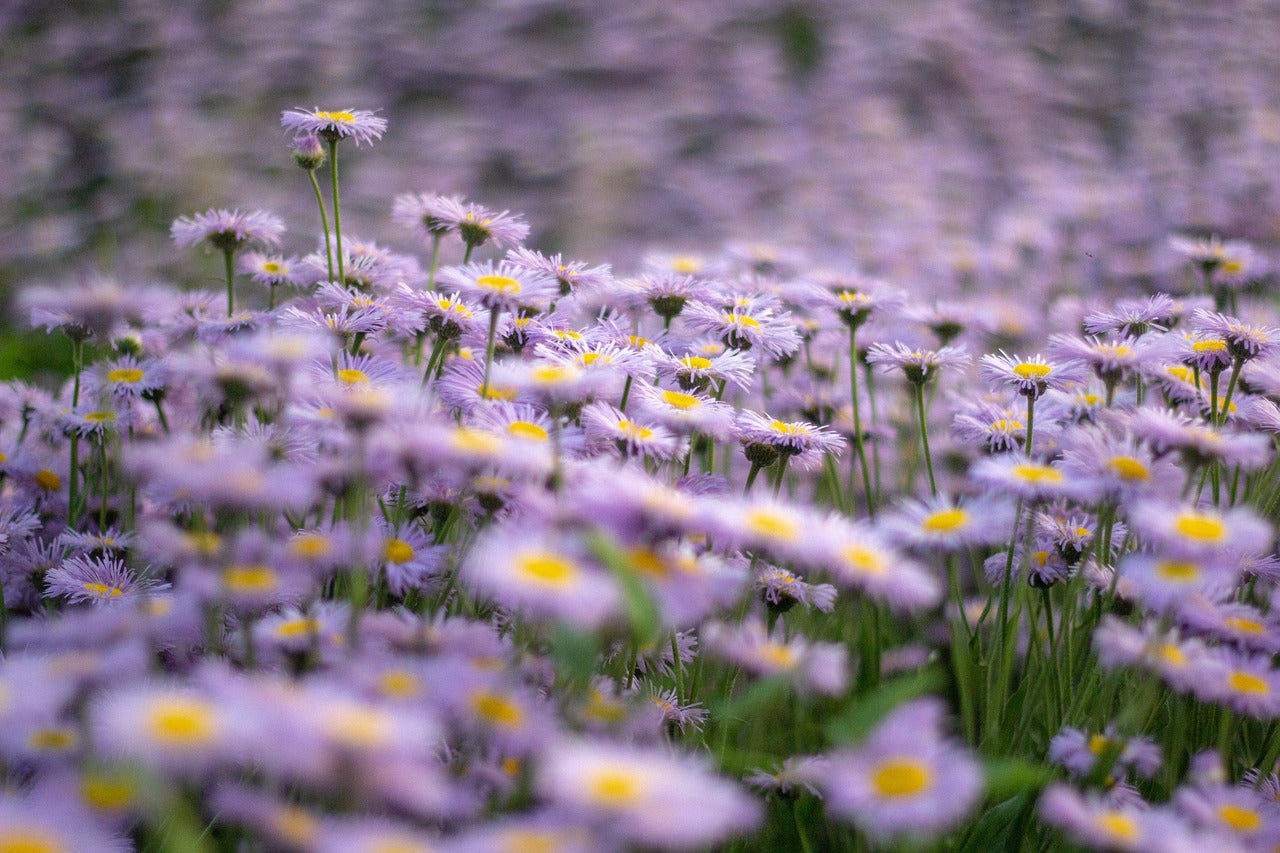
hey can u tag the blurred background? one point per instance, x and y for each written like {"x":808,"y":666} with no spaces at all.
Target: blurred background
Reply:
{"x":925,"y":138}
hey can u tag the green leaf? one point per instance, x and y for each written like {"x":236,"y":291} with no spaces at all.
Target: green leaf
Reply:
{"x":575,"y":653}
{"x":1008,"y":777}
{"x":642,"y":611}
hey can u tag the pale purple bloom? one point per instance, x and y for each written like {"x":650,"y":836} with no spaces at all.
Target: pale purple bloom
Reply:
{"x":909,"y":778}
{"x":333,"y":125}
{"x":228,"y":230}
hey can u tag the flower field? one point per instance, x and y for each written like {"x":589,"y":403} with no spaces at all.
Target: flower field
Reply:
{"x":477,"y":548}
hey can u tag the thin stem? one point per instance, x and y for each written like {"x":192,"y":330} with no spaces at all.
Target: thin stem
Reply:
{"x":1231,"y":387}
{"x":73,"y":488}
{"x":102,"y":463}
{"x":1031,"y":422}
{"x":857,"y":423}
{"x":488,"y":350}
{"x":337,"y":208}
{"x":435,"y":259}
{"x":751,"y":477}
{"x":324,"y":221}
{"x":782,"y":473}
{"x":227,"y":256}
{"x":924,"y":437}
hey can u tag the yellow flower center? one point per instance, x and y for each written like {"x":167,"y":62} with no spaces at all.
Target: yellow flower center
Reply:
{"x":546,"y":569}
{"x":894,"y":778}
{"x":499,"y":284}
{"x":399,"y":683}
{"x":1204,"y":528}
{"x":297,"y":627}
{"x":554,"y":374}
{"x":771,"y":525}
{"x":1031,"y":370}
{"x":351,"y":376}
{"x":311,"y":546}
{"x":648,"y":562}
{"x":397,"y":551}
{"x":250,"y":579}
{"x":1128,"y":468}
{"x":338,"y":116}
{"x":48,"y":480}
{"x":103,"y":590}
{"x":1213,"y":345}
{"x":742,"y":320}
{"x":686,"y":264}
{"x":107,"y":793}
{"x":1173,"y":655}
{"x":530,"y":841}
{"x":1005,"y":424}
{"x":1244,"y":682}
{"x":1177,"y":572}
{"x":296,"y":825}
{"x":945,"y":520}
{"x":1117,"y":825}
{"x":526,"y":430}
{"x":52,"y":739}
{"x":1244,"y":626}
{"x":634,"y":430}
{"x":497,"y":709}
{"x":28,"y":839}
{"x":696,"y":362}
{"x":1038,"y":473}
{"x":614,"y":787}
{"x":127,"y":375}
{"x":864,"y":560}
{"x":1239,"y":818}
{"x":680,"y":400}
{"x":1181,"y":373}
{"x":360,"y":726}
{"x":475,"y":442}
{"x":1097,"y":743}
{"x":778,"y":655}
{"x":183,"y":721}
{"x":789,"y":429}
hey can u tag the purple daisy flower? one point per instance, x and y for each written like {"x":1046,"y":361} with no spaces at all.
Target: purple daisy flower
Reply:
{"x":907,"y":779}
{"x":227,"y":230}
{"x":97,"y":580}
{"x":502,"y":286}
{"x":333,"y":125}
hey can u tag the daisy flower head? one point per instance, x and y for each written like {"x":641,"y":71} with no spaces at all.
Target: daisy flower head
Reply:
{"x":860,"y":558}
{"x":813,"y":667}
{"x":49,"y":820}
{"x":782,"y":590}
{"x":1205,"y":352}
{"x":573,"y":276}
{"x":307,"y":151}
{"x":541,"y":575}
{"x":1244,"y":340}
{"x":1027,"y":478}
{"x":1185,"y":530}
{"x":918,"y":365}
{"x":269,"y":270}
{"x":1032,"y":376}
{"x":948,"y":524}
{"x":1096,"y":823}
{"x":97,"y":580}
{"x":1238,"y":810}
{"x":647,"y":797}
{"x":1162,"y":584}
{"x":1133,"y":318}
{"x":856,"y":298}
{"x":908,"y":778}
{"x":605,"y":423}
{"x":1183,"y":664}
{"x":1245,"y":683}
{"x":1078,"y":751}
{"x":227,"y":230}
{"x":1122,"y":466}
{"x":333,"y":125}
{"x":1111,"y":360}
{"x":1213,"y":254}
{"x":699,"y":368}
{"x":805,"y":445}
{"x":501,"y":286}
{"x":431,"y":214}
{"x":744,"y":329}
{"x":684,"y":412}
{"x":177,"y":729}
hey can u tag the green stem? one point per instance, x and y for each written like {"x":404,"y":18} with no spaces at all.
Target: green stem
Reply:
{"x":435,"y":259}
{"x":751,"y":477}
{"x":488,"y":350}
{"x":324,"y":220}
{"x":73,"y":489}
{"x":924,"y":437}
{"x":337,"y":208}
{"x":1031,"y":421}
{"x":782,"y":473}
{"x":1231,"y":387}
{"x":102,"y":463}
{"x":857,"y":424}
{"x":227,"y":257}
